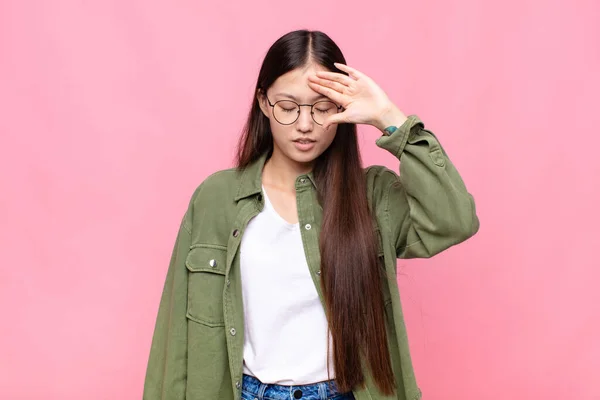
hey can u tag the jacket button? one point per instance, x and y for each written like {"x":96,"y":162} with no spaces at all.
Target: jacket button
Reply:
{"x":236,"y":233}
{"x":302,"y":180}
{"x":232,"y":331}
{"x":212,"y":263}
{"x":298,"y":394}
{"x":307,"y":227}
{"x":237,"y":384}
{"x":319,"y":272}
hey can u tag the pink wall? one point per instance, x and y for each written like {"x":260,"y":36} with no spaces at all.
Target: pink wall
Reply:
{"x":111,"y":112}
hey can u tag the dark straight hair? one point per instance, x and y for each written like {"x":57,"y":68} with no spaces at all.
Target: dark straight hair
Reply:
{"x":350,"y":270}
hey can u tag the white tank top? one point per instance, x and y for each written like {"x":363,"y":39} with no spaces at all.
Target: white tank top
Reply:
{"x":285,"y":328}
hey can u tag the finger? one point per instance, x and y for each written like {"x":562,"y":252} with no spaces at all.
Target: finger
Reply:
{"x":334,"y":119}
{"x":338,"y":87}
{"x":336,"y":96}
{"x":354,"y":73}
{"x":335,"y":76}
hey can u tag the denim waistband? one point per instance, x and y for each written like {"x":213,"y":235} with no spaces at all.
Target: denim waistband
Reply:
{"x":269,"y":391}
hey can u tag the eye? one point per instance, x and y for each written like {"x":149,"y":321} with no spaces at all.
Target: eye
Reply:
{"x":325,"y":107}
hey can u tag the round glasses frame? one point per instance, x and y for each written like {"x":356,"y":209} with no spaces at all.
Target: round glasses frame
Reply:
{"x":312,"y":114}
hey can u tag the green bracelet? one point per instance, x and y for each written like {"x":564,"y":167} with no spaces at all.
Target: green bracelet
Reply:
{"x":390,"y":129}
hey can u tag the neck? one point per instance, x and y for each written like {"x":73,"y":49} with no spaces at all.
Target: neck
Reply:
{"x":281,"y":172}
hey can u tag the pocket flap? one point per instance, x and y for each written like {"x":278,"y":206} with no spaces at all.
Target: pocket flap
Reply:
{"x":207,"y":258}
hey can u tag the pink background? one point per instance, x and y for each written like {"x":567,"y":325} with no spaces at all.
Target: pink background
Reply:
{"x":112,"y":112}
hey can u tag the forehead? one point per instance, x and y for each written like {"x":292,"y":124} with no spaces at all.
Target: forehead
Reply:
{"x":295,"y":82}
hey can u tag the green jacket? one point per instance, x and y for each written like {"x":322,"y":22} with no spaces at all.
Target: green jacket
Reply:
{"x":196,"y":351}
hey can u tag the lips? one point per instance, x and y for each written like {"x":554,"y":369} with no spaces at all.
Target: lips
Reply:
{"x":304,"y":144}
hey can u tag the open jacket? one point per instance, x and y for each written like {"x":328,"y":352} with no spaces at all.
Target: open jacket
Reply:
{"x":196,"y":351}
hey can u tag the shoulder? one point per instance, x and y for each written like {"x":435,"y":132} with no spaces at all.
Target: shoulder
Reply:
{"x":212,"y":205}
{"x":381,"y":183}
{"x":222,"y":181}
{"x":219,"y":186}
{"x":380,"y":177}
{"x":379,"y":172}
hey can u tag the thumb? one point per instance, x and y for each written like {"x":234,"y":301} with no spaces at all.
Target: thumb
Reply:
{"x":334,"y":119}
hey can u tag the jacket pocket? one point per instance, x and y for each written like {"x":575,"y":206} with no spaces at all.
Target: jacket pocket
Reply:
{"x":206,"y":266}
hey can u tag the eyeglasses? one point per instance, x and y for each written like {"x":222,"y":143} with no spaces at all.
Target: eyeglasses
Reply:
{"x":286,"y":112}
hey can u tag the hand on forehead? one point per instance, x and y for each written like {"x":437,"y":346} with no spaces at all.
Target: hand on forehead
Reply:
{"x":295,"y":85}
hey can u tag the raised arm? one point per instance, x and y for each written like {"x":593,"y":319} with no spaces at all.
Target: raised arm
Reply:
{"x":427,"y":206}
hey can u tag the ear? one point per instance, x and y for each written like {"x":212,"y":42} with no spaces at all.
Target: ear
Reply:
{"x":262,"y":102}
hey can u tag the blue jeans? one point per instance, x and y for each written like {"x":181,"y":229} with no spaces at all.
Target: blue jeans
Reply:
{"x":253,"y":389}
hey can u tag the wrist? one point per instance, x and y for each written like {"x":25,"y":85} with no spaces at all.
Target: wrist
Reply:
{"x":390,"y":117}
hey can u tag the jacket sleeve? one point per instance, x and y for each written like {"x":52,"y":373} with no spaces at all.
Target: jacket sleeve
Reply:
{"x":427,"y":206}
{"x":166,"y":373}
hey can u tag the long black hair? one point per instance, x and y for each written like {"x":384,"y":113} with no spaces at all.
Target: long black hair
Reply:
{"x":350,"y":271}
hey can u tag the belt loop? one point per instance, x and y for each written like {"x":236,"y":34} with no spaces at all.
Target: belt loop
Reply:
{"x":323,"y":390}
{"x":261,"y":391}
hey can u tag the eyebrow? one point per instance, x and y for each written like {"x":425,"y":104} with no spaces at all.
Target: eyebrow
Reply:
{"x":291,"y":96}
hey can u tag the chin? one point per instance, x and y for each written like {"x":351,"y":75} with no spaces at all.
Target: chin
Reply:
{"x":304,"y":160}
{"x":306,"y":157}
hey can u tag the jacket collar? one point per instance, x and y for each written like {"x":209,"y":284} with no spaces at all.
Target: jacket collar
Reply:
{"x":251,"y":179}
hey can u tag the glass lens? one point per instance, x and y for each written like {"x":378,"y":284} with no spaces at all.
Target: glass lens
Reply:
{"x":286,"y":112}
{"x":323,"y":110}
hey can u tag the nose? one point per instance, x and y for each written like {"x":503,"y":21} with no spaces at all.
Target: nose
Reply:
{"x":305,"y":121}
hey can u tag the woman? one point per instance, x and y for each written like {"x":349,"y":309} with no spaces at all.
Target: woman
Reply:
{"x":282,"y":283}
